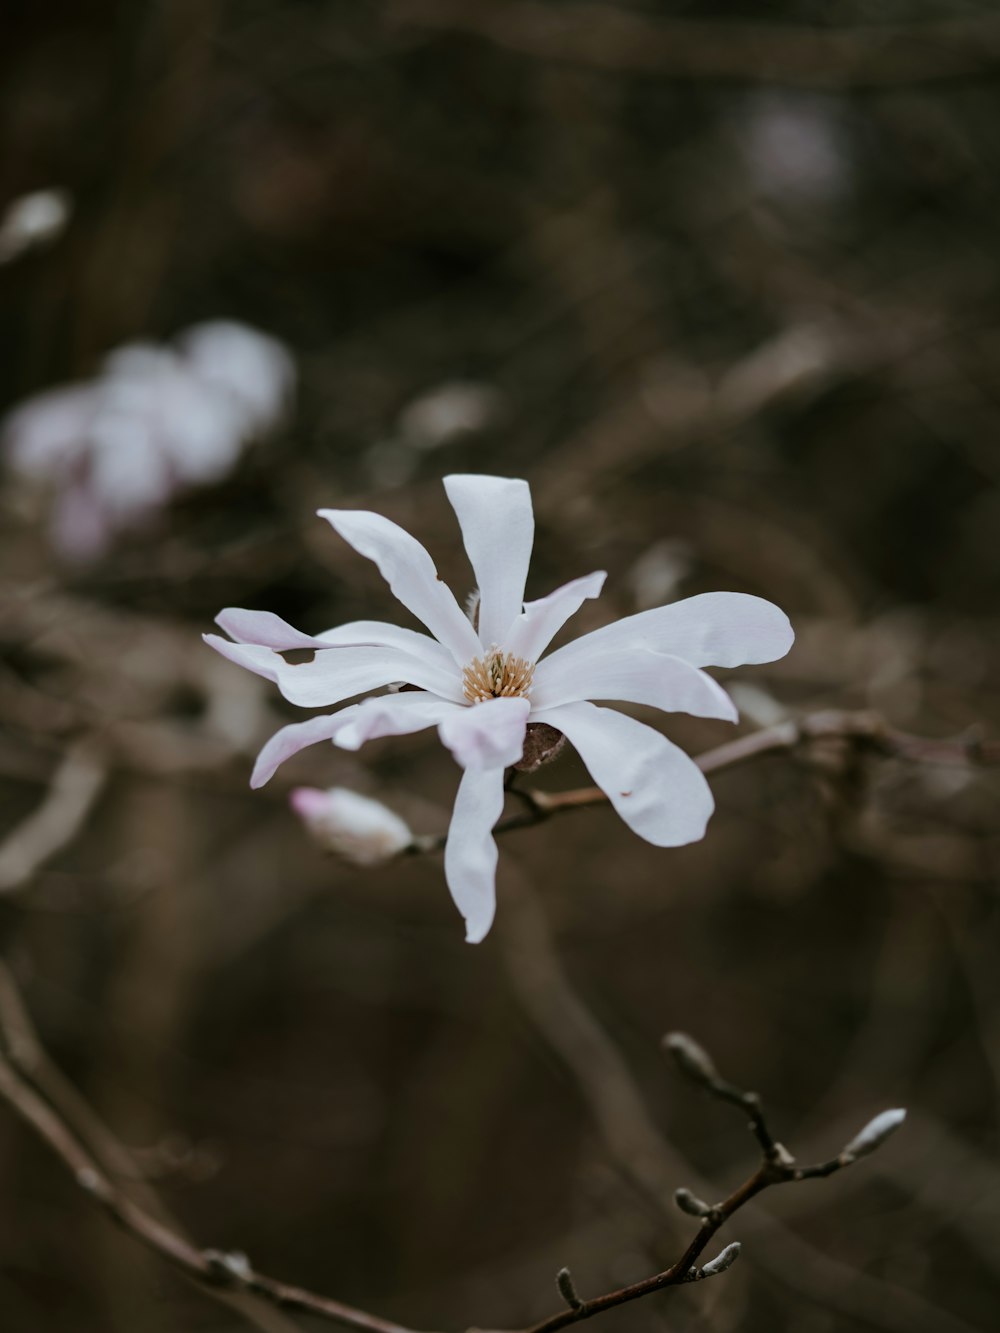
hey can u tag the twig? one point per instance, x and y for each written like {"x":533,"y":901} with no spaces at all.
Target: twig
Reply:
{"x":217,"y":1271}
{"x":651,"y":1163}
{"x":863,"y":732}
{"x":32,"y":1062}
{"x":75,"y":787}
{"x":777,"y":1167}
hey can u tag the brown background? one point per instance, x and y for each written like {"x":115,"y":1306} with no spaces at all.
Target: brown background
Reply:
{"x":732,"y":277}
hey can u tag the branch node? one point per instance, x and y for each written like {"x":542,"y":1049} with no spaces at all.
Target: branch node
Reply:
{"x":88,"y":1179}
{"x":567,"y":1289}
{"x":780,"y":1157}
{"x":228,"y":1267}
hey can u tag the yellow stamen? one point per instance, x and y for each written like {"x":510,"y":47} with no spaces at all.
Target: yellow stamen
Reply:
{"x":497,"y":675}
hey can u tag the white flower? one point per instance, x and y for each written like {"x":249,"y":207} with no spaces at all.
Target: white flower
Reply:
{"x":156,"y":421}
{"x":361,"y":830}
{"x":482,"y":686}
{"x":32,"y":220}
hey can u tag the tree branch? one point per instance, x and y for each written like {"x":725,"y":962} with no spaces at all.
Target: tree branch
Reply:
{"x":777,"y":1167}
{"x":862,"y":732}
{"x":219,"y":1272}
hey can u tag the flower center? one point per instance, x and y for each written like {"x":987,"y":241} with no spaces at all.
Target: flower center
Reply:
{"x":497,"y":675}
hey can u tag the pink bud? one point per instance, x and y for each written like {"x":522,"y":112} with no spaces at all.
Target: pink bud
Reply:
{"x":362,"y":831}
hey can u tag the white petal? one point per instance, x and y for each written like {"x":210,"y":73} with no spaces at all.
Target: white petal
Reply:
{"x":411,"y":576}
{"x":470,"y":854}
{"x":263,"y":628}
{"x":295,"y":737}
{"x":659,"y":792}
{"x":539,"y":623}
{"x":498,"y":529}
{"x":394,"y":715}
{"x":336,"y":674}
{"x":487,"y":735}
{"x":713,"y":629}
{"x":263,"y":661}
{"x":636,"y":677}
{"x":270,"y":631}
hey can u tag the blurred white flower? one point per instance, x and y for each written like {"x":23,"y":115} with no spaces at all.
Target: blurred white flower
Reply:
{"x":33,"y":219}
{"x":362,"y":831}
{"x":255,"y":370}
{"x":156,"y":421}
{"x":796,"y":147}
{"x":482,"y":685}
{"x":459,"y":407}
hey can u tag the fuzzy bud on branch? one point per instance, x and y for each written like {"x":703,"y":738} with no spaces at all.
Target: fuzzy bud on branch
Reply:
{"x":723,"y":1260}
{"x":567,"y":1289}
{"x":873,"y":1135}
{"x":691,"y":1058}
{"x":690,"y":1203}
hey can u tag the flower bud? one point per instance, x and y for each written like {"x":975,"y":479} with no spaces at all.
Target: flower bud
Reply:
{"x":873,"y":1135}
{"x":362,"y":831}
{"x":723,"y":1260}
{"x":691,"y":1058}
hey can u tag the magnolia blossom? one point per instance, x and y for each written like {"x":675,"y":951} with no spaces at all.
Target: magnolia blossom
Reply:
{"x":156,"y":421}
{"x":484,"y":684}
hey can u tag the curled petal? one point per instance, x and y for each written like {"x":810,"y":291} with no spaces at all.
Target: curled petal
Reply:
{"x":295,"y":737}
{"x":636,"y":677}
{"x":262,"y":661}
{"x":336,"y":674}
{"x":394,"y":715}
{"x":487,"y":735}
{"x":263,"y":628}
{"x":270,"y":631}
{"x":498,"y":528}
{"x":653,"y":785}
{"x":713,"y":629}
{"x":470,"y":854}
{"x":410,"y":574}
{"x":539,"y":622}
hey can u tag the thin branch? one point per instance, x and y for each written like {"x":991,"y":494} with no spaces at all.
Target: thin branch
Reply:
{"x":653,"y":1165}
{"x":218,"y":1272}
{"x":75,"y":787}
{"x":777,"y":1167}
{"x":862,"y":732}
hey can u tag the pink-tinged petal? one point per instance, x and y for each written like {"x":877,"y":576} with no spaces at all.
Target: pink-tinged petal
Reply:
{"x":295,"y":737}
{"x":470,"y":854}
{"x":263,"y":661}
{"x":539,"y":623}
{"x":264,"y":628}
{"x":336,"y":674}
{"x":498,"y":528}
{"x":713,"y":629}
{"x":655,"y":787}
{"x":635,"y":677}
{"x":487,"y":735}
{"x":411,"y":576}
{"x":270,"y":631}
{"x":394,"y":715}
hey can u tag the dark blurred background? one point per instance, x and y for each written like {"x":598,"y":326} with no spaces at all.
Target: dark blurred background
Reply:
{"x":721,"y":280}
